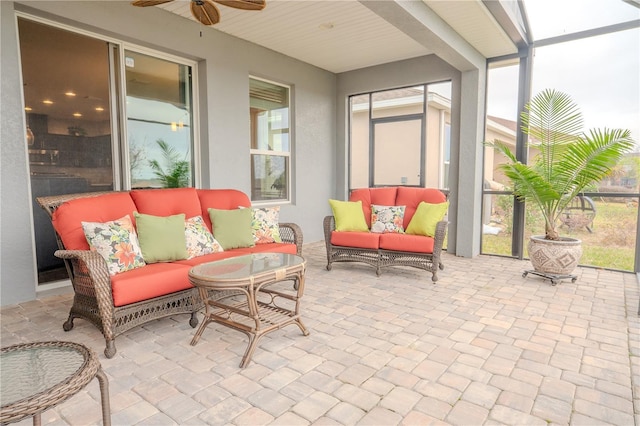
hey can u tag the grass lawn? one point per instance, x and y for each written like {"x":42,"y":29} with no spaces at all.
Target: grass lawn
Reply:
{"x":611,"y":244}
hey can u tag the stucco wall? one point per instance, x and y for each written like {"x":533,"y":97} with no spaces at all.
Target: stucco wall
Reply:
{"x":17,"y":254}
{"x":224,"y":66}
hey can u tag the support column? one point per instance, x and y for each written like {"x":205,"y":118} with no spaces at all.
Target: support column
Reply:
{"x":465,"y":211}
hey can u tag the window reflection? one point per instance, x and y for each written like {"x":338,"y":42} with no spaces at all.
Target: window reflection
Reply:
{"x":158,"y":122}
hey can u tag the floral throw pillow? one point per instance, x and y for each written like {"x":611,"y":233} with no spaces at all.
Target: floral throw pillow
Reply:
{"x":199,"y":240}
{"x":264,"y":225}
{"x":387,"y":218}
{"x":117,"y":242}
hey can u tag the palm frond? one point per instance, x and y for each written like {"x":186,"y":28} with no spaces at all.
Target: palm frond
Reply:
{"x":568,"y":160}
{"x":175,"y":173}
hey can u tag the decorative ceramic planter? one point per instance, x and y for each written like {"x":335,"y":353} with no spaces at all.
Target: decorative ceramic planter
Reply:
{"x":554,"y":256}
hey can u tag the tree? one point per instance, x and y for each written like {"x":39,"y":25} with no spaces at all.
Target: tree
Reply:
{"x":175,"y":173}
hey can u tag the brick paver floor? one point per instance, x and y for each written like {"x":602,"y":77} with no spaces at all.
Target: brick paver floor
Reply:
{"x":482,"y":346}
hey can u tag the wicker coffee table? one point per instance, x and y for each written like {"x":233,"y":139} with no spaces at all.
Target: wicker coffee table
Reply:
{"x":242,"y":293}
{"x":37,"y":376}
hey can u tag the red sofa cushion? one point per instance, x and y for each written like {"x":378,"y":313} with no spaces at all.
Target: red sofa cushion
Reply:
{"x":103,"y":208}
{"x":385,"y":196}
{"x":366,"y":240}
{"x":411,"y":197}
{"x":406,"y":242}
{"x":221,"y":199}
{"x":152,"y":280}
{"x":167,"y":202}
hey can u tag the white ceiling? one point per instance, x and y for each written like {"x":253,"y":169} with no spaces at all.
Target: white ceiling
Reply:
{"x":343,"y":35}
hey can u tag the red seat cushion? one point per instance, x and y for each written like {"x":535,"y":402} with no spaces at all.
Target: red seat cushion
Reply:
{"x":103,"y":208}
{"x":221,"y":199}
{"x":153,"y":280}
{"x":411,"y":197}
{"x":385,"y":196}
{"x":366,"y":240}
{"x":406,"y":242}
{"x":167,"y":202}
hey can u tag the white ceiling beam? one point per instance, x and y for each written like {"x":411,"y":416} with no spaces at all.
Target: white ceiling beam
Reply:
{"x":418,"y":21}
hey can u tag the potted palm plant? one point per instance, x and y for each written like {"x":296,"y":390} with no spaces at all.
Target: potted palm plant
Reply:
{"x":568,"y":161}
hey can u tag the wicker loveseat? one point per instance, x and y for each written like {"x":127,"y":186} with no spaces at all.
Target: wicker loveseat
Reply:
{"x":387,"y":249}
{"x":118,"y":302}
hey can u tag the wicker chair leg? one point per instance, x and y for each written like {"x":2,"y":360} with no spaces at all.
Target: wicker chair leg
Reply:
{"x":434,"y":277}
{"x":441,"y":266}
{"x":193,"y":321}
{"x":110,"y":350}
{"x":68,"y":324}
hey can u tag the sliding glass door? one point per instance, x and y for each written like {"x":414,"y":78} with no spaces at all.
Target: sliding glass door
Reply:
{"x":69,"y":124}
{"x":100,"y":117}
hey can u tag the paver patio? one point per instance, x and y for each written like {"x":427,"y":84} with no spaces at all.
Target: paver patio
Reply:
{"x":482,"y":346}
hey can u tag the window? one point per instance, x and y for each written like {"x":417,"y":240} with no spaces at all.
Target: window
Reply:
{"x":401,"y":137}
{"x":158,"y":122}
{"x":270,"y":141}
{"x":446,"y":157}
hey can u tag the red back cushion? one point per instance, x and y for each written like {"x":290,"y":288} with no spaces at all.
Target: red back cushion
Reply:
{"x":104,"y":208}
{"x":411,"y":197}
{"x":221,"y":199}
{"x":167,"y":202}
{"x":385,"y":196}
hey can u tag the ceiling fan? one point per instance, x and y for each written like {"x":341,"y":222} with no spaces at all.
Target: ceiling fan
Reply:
{"x":206,"y":11}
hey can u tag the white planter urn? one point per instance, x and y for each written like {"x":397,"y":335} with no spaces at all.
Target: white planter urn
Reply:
{"x":559,"y":257}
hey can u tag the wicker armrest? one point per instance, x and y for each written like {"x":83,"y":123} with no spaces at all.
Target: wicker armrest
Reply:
{"x":291,"y":233}
{"x":441,"y":232}
{"x":90,"y":274}
{"x":329,"y":224}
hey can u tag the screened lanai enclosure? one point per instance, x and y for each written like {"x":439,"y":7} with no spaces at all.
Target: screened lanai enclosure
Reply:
{"x":591,"y":51}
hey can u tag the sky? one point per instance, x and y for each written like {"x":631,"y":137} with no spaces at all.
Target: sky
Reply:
{"x":602,"y":73}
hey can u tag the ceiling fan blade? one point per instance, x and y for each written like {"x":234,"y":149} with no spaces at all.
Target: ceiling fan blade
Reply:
{"x":244,"y":4}
{"x":145,"y":3}
{"x":205,"y":11}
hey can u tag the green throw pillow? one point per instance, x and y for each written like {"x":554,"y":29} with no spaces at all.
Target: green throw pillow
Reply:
{"x":161,"y":238}
{"x":232,"y":228}
{"x":426,"y":218}
{"x":348,"y":215}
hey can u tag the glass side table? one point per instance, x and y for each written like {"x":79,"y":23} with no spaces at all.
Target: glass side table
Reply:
{"x":240,"y":293}
{"x":37,"y":376}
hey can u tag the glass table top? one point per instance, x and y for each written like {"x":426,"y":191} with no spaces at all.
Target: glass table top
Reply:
{"x":240,"y":267}
{"x":29,"y":371}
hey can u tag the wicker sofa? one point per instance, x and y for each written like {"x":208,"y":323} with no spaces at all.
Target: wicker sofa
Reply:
{"x":383,"y":250}
{"x":118,"y":302}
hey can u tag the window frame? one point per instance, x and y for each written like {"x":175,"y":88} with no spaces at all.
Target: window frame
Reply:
{"x":125,"y":171}
{"x":273,"y":153}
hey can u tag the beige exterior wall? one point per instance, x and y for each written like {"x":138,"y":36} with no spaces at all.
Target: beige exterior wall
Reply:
{"x":399,"y":156}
